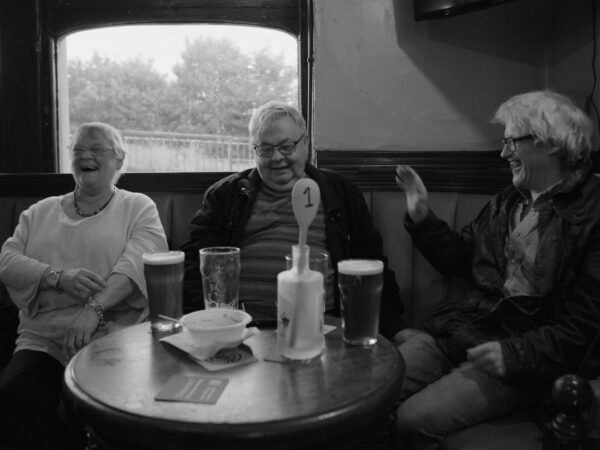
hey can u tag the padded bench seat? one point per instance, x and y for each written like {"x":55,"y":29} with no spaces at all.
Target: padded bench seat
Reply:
{"x":421,"y":285}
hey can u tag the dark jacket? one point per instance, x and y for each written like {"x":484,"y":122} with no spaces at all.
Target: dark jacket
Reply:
{"x":541,"y":337}
{"x":227,"y":206}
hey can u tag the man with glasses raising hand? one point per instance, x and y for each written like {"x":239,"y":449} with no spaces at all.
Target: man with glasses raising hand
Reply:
{"x":532,"y":260}
{"x":252,"y":210}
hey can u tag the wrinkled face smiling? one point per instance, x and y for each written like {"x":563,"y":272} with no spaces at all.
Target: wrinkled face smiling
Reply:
{"x":94,"y":163}
{"x":280,"y":172}
{"x":529,"y":163}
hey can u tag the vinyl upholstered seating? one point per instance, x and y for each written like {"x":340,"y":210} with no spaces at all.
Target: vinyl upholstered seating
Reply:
{"x":421,"y":285}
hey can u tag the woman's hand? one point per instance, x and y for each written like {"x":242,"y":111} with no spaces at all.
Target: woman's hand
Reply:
{"x":79,"y":333}
{"x":489,"y":358}
{"x":416,"y":193}
{"x":81,"y":283}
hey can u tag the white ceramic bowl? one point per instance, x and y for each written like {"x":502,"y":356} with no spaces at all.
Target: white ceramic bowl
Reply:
{"x":217,"y":324}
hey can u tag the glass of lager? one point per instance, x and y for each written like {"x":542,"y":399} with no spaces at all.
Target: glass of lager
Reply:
{"x":220,"y":270}
{"x":164,"y":281}
{"x":360,"y":282}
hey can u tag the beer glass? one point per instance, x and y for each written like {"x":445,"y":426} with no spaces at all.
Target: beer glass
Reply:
{"x":220,"y":270}
{"x":360,"y":282}
{"x":164,"y":282}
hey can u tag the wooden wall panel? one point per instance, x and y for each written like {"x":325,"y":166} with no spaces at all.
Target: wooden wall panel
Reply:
{"x":466,"y":172}
{"x":20,"y":105}
{"x":47,"y":184}
{"x":442,"y":171}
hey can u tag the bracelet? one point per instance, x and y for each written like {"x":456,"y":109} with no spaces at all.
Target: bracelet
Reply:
{"x":96,"y":305}
{"x":53,"y":278}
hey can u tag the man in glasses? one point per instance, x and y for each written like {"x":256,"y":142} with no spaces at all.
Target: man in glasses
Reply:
{"x":252,"y":210}
{"x":532,"y":257}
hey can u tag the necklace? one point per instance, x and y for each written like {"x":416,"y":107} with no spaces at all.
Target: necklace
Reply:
{"x":93,"y":213}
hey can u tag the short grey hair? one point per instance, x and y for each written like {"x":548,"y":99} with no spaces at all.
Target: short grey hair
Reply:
{"x":553,"y":119}
{"x":110,"y":133}
{"x":266,"y":115}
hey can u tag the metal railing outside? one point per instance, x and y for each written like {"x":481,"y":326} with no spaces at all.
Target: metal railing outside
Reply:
{"x":186,"y":152}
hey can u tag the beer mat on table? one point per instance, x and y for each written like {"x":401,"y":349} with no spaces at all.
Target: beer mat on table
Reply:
{"x":227,"y":358}
{"x":192,"y":389}
{"x":203,"y":350}
{"x":275,"y":354}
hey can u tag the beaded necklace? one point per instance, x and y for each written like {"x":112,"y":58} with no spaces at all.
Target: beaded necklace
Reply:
{"x":93,"y":213}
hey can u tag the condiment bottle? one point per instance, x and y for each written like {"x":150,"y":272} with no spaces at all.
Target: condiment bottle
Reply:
{"x":300,"y":297}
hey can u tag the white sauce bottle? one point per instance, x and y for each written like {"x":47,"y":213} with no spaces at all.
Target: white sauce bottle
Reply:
{"x":300,"y":297}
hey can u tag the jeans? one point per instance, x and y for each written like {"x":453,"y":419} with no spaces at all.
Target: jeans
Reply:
{"x":440,"y":398}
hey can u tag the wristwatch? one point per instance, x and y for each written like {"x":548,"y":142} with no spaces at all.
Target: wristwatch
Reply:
{"x":53,"y":278}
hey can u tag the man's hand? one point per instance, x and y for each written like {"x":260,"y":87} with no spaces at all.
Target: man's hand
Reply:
{"x":81,"y":283}
{"x":488,"y":357}
{"x":80,"y":331}
{"x":416,"y":193}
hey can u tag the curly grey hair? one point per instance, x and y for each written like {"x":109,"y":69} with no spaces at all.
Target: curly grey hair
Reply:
{"x":553,"y":119}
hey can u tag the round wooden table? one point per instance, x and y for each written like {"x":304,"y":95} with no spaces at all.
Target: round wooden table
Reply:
{"x":335,"y":401}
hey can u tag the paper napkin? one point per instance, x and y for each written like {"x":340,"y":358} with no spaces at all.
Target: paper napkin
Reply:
{"x":204,"y":349}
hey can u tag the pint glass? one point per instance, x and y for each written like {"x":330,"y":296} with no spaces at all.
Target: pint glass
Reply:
{"x":360,"y":282}
{"x":164,"y":282}
{"x":220,"y":270}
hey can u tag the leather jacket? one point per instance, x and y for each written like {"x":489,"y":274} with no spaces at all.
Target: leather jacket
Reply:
{"x":541,"y":337}
{"x":227,"y":206}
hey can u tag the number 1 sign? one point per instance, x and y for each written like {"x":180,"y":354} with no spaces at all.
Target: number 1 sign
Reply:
{"x":305,"y":202}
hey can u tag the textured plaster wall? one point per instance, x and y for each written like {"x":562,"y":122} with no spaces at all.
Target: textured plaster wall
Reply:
{"x":385,"y":82}
{"x":570,"y":57}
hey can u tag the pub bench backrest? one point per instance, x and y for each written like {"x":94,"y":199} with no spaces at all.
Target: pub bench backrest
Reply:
{"x":420,"y":284}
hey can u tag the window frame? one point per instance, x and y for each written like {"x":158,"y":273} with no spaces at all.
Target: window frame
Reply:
{"x":60,"y":18}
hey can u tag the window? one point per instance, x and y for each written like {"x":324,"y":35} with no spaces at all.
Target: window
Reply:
{"x":181,"y":94}
{"x":258,"y":50}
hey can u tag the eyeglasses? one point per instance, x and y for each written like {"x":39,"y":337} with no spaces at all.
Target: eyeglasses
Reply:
{"x":286,"y":148}
{"x":512,"y":142}
{"x":94,"y":150}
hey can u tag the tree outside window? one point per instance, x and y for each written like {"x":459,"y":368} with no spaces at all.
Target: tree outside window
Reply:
{"x":193,"y":118}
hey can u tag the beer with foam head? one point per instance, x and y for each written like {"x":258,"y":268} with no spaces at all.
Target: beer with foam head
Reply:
{"x":360,"y":282}
{"x":164,"y":282}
